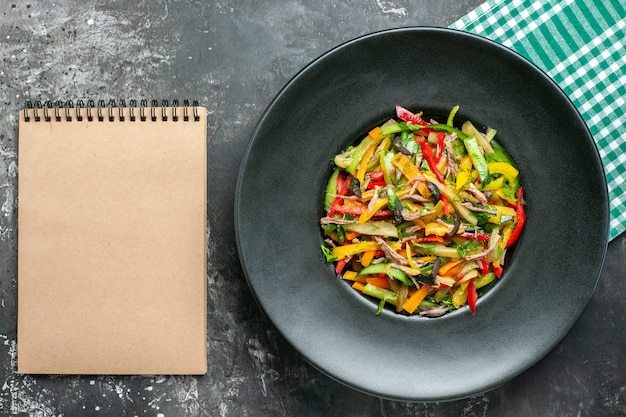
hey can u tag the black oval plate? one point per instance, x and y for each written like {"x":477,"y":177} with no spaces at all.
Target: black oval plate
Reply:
{"x":549,"y":279}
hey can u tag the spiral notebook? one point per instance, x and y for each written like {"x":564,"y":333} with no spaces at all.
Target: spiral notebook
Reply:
{"x":112,"y":239}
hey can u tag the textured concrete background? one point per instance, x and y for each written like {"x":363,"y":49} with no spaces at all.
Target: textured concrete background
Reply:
{"x":234,"y":56}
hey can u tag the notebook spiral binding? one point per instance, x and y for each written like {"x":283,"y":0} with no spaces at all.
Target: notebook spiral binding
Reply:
{"x":101,"y":111}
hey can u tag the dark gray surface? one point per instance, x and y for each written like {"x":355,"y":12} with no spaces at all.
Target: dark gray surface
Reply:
{"x":234,"y":57}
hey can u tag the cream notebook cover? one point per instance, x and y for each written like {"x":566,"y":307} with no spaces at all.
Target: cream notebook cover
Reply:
{"x":112,"y":240}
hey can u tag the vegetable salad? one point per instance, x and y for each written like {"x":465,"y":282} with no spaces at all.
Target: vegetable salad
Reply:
{"x":419,"y":215}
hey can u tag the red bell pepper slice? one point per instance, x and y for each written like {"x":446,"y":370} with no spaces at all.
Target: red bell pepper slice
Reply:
{"x":521,"y":218}
{"x":498,"y":271}
{"x":373,"y":184}
{"x":440,"y":145}
{"x":469,"y":235}
{"x":376,"y":176}
{"x":409,"y":117}
{"x":358,"y":210}
{"x":342,"y":188}
{"x":341,"y":264}
{"x":484,"y":266}
{"x":472,"y":296}
{"x":427,"y":154}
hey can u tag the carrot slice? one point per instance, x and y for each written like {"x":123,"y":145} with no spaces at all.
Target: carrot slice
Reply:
{"x":451,"y":268}
{"x":367,"y":257}
{"x":358,"y":285}
{"x":380,"y":282}
{"x":431,"y":238}
{"x":410,"y":305}
{"x":376,"y":133}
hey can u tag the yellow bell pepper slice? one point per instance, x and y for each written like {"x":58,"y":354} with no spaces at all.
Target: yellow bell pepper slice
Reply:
{"x":375,"y":137}
{"x":466,"y":163}
{"x":409,"y":257}
{"x":436,"y":229}
{"x":360,"y":150}
{"x":369,"y":194}
{"x":352,"y":249}
{"x":461,"y":179}
{"x":362,"y":167}
{"x":350,"y":275}
{"x":502,"y":168}
{"x":443,"y":162}
{"x":367,"y":214}
{"x":505,"y":197}
{"x":494,"y":184}
{"x":504,"y":239}
{"x":502,"y":211}
{"x":441,"y":292}
{"x":459,"y":297}
{"x":465,"y":166}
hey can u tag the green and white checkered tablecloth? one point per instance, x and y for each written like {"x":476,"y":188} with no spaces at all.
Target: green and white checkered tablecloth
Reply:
{"x":581,"y":44}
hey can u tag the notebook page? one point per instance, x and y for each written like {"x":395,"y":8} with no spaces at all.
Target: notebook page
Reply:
{"x":111,"y":246}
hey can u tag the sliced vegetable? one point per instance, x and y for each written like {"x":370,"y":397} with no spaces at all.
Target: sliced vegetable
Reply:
{"x":380,"y":293}
{"x":331,"y":189}
{"x":411,"y":304}
{"x":367,"y":257}
{"x":341,"y":252}
{"x":437,"y":249}
{"x":459,"y":297}
{"x":504,"y":168}
{"x":500,"y":155}
{"x":421,"y":214}
{"x":386,"y":165}
{"x":409,"y":117}
{"x":484,"y":280}
{"x":472,"y":296}
{"x":452,"y":267}
{"x":427,"y":154}
{"x":521,"y":218}
{"x":397,"y":274}
{"x":380,"y":282}
{"x":406,"y":167}
{"x":452,"y":114}
{"x":478,"y":158}
{"x":470,"y":130}
{"x":456,"y":202}
{"x":437,"y":229}
{"x":374,"y":269}
{"x":359,"y":151}
{"x":394,"y":205}
{"x":375,"y":228}
{"x":371,"y":211}
{"x":350,"y":275}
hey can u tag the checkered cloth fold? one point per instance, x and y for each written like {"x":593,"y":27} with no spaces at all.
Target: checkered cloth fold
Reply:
{"x":581,"y":45}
